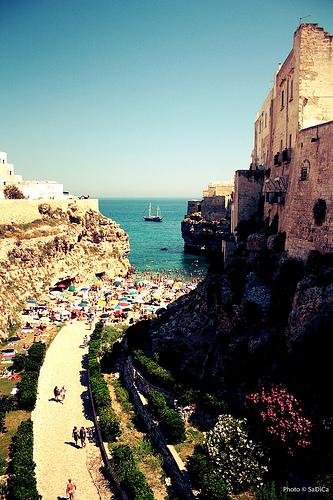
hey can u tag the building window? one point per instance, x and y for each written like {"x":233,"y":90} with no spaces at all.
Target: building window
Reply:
{"x":281,"y":145}
{"x":289,"y":141}
{"x":319,"y":211}
{"x":304,"y":174}
{"x":265,"y":120}
{"x":305,"y":170}
{"x":291,"y":95}
{"x":282,"y":99}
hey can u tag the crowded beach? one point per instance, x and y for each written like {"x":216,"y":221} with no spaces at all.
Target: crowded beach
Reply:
{"x":123,"y":300}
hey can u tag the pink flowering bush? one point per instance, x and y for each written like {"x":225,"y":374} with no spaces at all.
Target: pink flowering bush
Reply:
{"x":282,"y":415}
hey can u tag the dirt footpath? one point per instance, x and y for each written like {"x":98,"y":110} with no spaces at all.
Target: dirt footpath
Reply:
{"x":55,"y":453}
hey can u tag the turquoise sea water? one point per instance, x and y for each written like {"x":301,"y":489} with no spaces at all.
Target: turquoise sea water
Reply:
{"x":147,"y":238}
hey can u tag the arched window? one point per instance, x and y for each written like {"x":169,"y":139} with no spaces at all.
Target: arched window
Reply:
{"x":305,"y":170}
{"x":319,"y":211}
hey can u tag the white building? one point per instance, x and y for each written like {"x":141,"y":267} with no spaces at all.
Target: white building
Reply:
{"x":33,"y":190}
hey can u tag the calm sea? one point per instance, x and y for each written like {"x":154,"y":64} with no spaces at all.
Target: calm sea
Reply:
{"x":147,"y":238}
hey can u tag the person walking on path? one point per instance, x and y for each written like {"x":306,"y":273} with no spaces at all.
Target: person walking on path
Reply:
{"x":75,"y":434}
{"x":70,"y":490}
{"x":62,"y":394}
{"x":83,"y":436}
{"x":56,"y":392}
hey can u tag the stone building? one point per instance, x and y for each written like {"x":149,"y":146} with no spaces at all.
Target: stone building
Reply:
{"x":31,"y":189}
{"x":7,"y":173}
{"x":293,"y":146}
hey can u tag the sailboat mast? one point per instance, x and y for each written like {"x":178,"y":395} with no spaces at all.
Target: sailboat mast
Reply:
{"x":149,"y":210}
{"x":158,"y":211}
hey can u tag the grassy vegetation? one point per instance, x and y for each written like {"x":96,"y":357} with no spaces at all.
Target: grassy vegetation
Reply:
{"x":6,"y":386}
{"x":112,"y":333}
{"x":34,"y":229}
{"x":193,"y":437}
{"x":13,"y":420}
{"x":122,"y":396}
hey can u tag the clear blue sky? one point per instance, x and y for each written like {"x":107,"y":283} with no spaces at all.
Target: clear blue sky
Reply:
{"x":139,"y":97}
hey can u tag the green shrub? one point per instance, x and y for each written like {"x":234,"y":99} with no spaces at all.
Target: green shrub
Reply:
{"x":19,"y":362}
{"x":213,"y":487}
{"x":109,"y":424}
{"x":28,"y":390}
{"x":131,"y":479}
{"x":270,"y":491}
{"x":136,"y":485}
{"x":205,"y":477}
{"x":152,"y":370}
{"x":171,"y":423}
{"x":22,"y":484}
{"x":28,"y":384}
{"x":198,"y":465}
{"x":94,"y":367}
{"x":172,"y":426}
{"x":100,"y":392}
{"x":157,"y":403}
{"x":36,"y":353}
{"x":122,"y":460}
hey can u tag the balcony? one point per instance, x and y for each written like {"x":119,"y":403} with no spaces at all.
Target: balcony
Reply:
{"x":286,"y":155}
{"x":275,"y":197}
{"x":277,"y":159}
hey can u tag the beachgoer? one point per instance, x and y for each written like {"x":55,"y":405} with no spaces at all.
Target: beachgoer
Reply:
{"x":83,"y":436}
{"x":56,"y":393}
{"x":75,"y":434}
{"x":70,"y":489}
{"x":62,"y":394}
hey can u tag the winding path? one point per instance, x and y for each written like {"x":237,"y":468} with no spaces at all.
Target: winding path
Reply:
{"x":55,"y":454}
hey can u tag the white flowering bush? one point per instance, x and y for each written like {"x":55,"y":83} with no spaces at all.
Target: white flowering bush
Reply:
{"x":241,"y":462}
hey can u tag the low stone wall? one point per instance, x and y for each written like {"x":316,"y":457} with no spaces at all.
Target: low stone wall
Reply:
{"x":26,"y":211}
{"x":179,"y":477}
{"x":107,"y":463}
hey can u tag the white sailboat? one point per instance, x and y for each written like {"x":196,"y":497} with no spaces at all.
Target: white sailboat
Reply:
{"x":152,"y":217}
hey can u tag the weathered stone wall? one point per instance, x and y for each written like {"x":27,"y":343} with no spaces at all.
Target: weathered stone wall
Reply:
{"x":313,"y":163}
{"x":316,"y":76}
{"x":213,"y":208}
{"x":248,"y":188}
{"x":26,"y":211}
{"x":193,"y":206}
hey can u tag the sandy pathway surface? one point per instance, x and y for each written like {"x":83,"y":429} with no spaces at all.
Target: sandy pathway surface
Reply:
{"x":55,"y":454}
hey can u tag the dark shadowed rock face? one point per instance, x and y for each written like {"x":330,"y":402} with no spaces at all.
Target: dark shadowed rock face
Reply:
{"x":218,"y":339}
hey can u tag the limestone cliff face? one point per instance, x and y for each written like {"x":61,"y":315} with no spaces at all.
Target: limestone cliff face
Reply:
{"x":71,"y":243}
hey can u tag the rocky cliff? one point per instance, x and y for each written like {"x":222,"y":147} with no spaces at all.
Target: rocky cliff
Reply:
{"x":262,"y":318}
{"x":65,"y":243}
{"x":201,"y":236}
